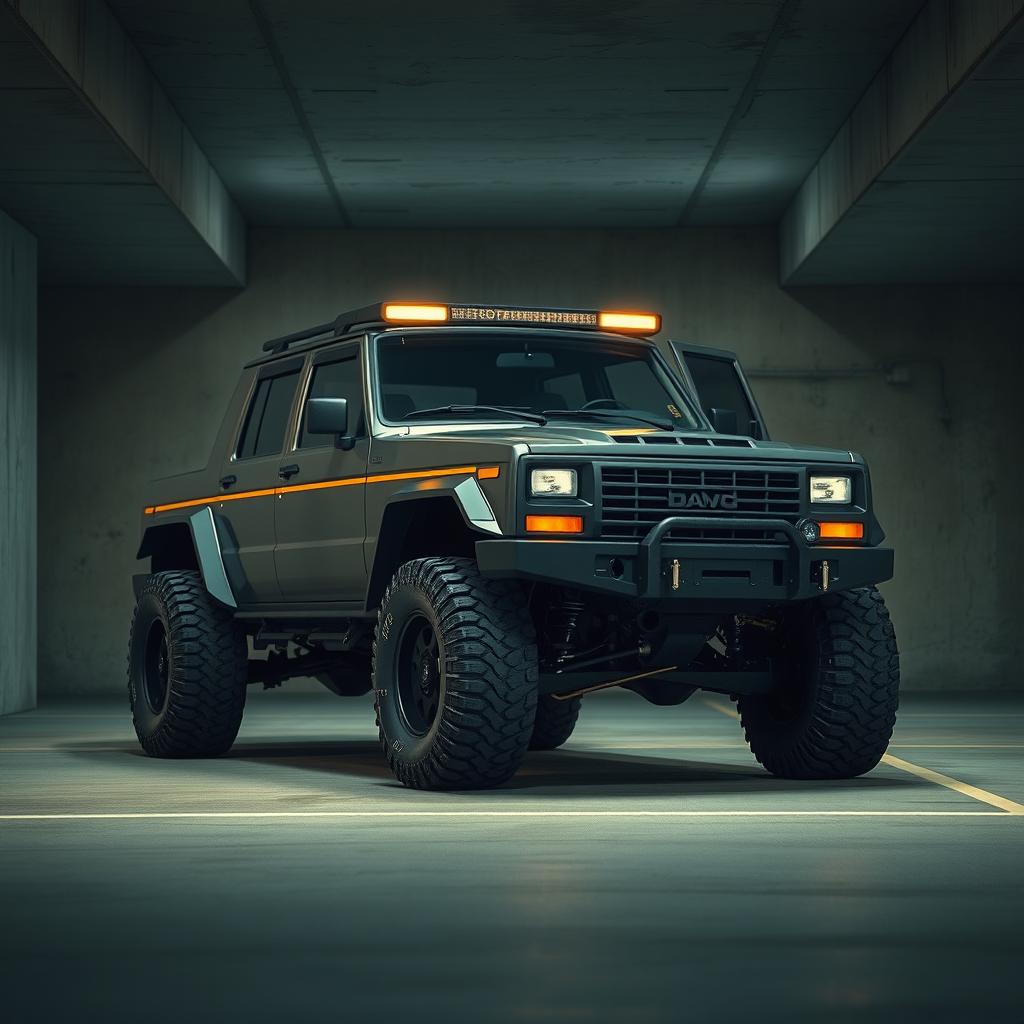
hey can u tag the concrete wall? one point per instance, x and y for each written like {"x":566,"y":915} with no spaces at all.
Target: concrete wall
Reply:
{"x":17,"y":467}
{"x":136,"y":380}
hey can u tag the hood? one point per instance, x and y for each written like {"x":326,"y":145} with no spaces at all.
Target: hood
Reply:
{"x":569,"y":438}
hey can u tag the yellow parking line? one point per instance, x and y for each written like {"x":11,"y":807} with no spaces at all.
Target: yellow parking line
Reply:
{"x":1010,"y":806}
{"x":974,"y":792}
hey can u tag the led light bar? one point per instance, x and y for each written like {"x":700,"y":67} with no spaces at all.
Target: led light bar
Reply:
{"x":507,"y":316}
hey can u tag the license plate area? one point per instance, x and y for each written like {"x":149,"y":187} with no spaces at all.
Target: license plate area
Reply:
{"x":682,"y":576}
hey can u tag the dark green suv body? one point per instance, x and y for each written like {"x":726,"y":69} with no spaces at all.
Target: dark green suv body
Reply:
{"x":488,"y":514}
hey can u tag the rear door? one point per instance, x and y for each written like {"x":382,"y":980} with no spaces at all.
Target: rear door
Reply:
{"x":248,"y":478}
{"x":716,"y":380}
{"x":320,"y":512}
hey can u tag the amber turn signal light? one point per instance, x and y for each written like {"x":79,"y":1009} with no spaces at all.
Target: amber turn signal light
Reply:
{"x":554,"y":524}
{"x":842,"y":531}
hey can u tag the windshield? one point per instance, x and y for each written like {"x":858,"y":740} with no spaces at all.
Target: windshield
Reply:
{"x":425,"y":373}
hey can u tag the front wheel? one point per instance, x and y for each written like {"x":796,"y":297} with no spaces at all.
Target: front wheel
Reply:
{"x":834,"y":714}
{"x":454,"y":675}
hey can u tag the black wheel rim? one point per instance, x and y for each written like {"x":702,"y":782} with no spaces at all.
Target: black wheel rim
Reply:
{"x":156,"y":669}
{"x":419,"y":674}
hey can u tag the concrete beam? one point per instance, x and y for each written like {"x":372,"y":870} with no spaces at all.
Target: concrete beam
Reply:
{"x":85,"y":42}
{"x":17,"y":468}
{"x":943,"y":45}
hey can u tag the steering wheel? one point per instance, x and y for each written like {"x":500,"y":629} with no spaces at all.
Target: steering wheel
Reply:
{"x":602,"y":403}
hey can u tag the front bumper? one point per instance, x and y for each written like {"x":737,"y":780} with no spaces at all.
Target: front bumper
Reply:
{"x":656,"y":569}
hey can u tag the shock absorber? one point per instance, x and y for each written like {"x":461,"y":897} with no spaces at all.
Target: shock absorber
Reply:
{"x":562,"y":628}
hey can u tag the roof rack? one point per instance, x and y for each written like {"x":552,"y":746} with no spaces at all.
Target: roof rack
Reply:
{"x":340,"y":325}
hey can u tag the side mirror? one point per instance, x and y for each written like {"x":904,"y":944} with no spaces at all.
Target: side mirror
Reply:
{"x":329,"y":416}
{"x":725,"y":421}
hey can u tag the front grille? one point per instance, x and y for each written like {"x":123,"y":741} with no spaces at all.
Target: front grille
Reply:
{"x":635,"y":498}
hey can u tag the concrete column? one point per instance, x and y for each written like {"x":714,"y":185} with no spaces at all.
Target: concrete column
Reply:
{"x":17,"y":467}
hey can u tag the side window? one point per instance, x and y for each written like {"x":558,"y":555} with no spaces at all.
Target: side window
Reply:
{"x":263,"y":433}
{"x":341,"y":379}
{"x":718,"y":387}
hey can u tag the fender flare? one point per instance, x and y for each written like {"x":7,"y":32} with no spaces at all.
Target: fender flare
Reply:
{"x":207,"y":548}
{"x":465,"y":494}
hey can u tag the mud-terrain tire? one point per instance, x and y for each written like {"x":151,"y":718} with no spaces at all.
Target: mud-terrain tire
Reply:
{"x":187,"y":669}
{"x":454,"y":675}
{"x":554,"y":723}
{"x":834,"y":717}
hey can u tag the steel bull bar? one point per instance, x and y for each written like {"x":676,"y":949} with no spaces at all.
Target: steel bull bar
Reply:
{"x":663,"y":569}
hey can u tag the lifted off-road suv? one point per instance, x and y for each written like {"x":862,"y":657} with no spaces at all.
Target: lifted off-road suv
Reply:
{"x":484,"y":513}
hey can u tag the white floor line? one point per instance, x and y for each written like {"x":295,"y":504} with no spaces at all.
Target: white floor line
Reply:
{"x":157,"y":815}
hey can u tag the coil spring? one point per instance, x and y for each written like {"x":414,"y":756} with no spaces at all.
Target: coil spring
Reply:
{"x":562,"y":628}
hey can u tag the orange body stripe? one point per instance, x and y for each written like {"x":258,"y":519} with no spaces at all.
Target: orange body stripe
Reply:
{"x":419,"y":474}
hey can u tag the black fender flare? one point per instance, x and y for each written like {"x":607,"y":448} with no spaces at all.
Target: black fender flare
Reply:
{"x":464,"y":494}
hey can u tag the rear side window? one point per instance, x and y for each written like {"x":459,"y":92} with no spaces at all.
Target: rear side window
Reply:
{"x":718,"y":387}
{"x":342,"y":379}
{"x":263,"y":433}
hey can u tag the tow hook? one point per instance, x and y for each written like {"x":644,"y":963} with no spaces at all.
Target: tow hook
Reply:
{"x":825,"y":577}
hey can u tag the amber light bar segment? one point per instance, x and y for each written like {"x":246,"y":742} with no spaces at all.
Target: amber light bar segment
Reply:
{"x":842,"y":531}
{"x":412,"y":313}
{"x":647,"y":323}
{"x":554,"y":524}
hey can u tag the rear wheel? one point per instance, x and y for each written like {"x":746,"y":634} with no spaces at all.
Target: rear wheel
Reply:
{"x":454,"y":675}
{"x":834,"y":716}
{"x":187,"y":669}
{"x":555,"y":722}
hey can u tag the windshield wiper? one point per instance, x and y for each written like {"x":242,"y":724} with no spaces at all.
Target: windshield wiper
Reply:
{"x":466,"y":410}
{"x":601,"y":414}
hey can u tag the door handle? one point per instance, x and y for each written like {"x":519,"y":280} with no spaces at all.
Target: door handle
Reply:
{"x":286,"y":471}
{"x":227,"y":481}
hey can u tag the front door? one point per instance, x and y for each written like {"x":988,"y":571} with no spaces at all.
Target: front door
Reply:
{"x":245,"y":518}
{"x":320,"y":512}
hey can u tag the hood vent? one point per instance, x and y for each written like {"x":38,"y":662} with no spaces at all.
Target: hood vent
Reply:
{"x":673,"y":439}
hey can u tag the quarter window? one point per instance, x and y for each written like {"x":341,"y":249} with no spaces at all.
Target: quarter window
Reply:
{"x":265,"y":423}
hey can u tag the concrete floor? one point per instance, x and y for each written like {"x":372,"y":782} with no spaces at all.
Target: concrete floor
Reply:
{"x":649,"y":871}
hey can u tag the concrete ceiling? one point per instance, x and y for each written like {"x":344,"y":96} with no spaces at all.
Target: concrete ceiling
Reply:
{"x":514,"y":113}
{"x":950,"y":206}
{"x":95,"y":208}
{"x":141,"y":136}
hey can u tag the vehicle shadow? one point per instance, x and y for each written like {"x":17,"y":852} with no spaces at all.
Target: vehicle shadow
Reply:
{"x":580,"y":772}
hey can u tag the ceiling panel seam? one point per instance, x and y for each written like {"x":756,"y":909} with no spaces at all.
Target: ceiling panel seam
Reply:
{"x":742,"y":105}
{"x":270,"y":41}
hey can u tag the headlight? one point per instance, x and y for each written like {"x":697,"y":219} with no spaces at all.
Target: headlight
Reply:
{"x":561,"y":482}
{"x":831,"y":490}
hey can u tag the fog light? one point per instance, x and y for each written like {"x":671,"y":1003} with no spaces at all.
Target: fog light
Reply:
{"x":808,"y":529}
